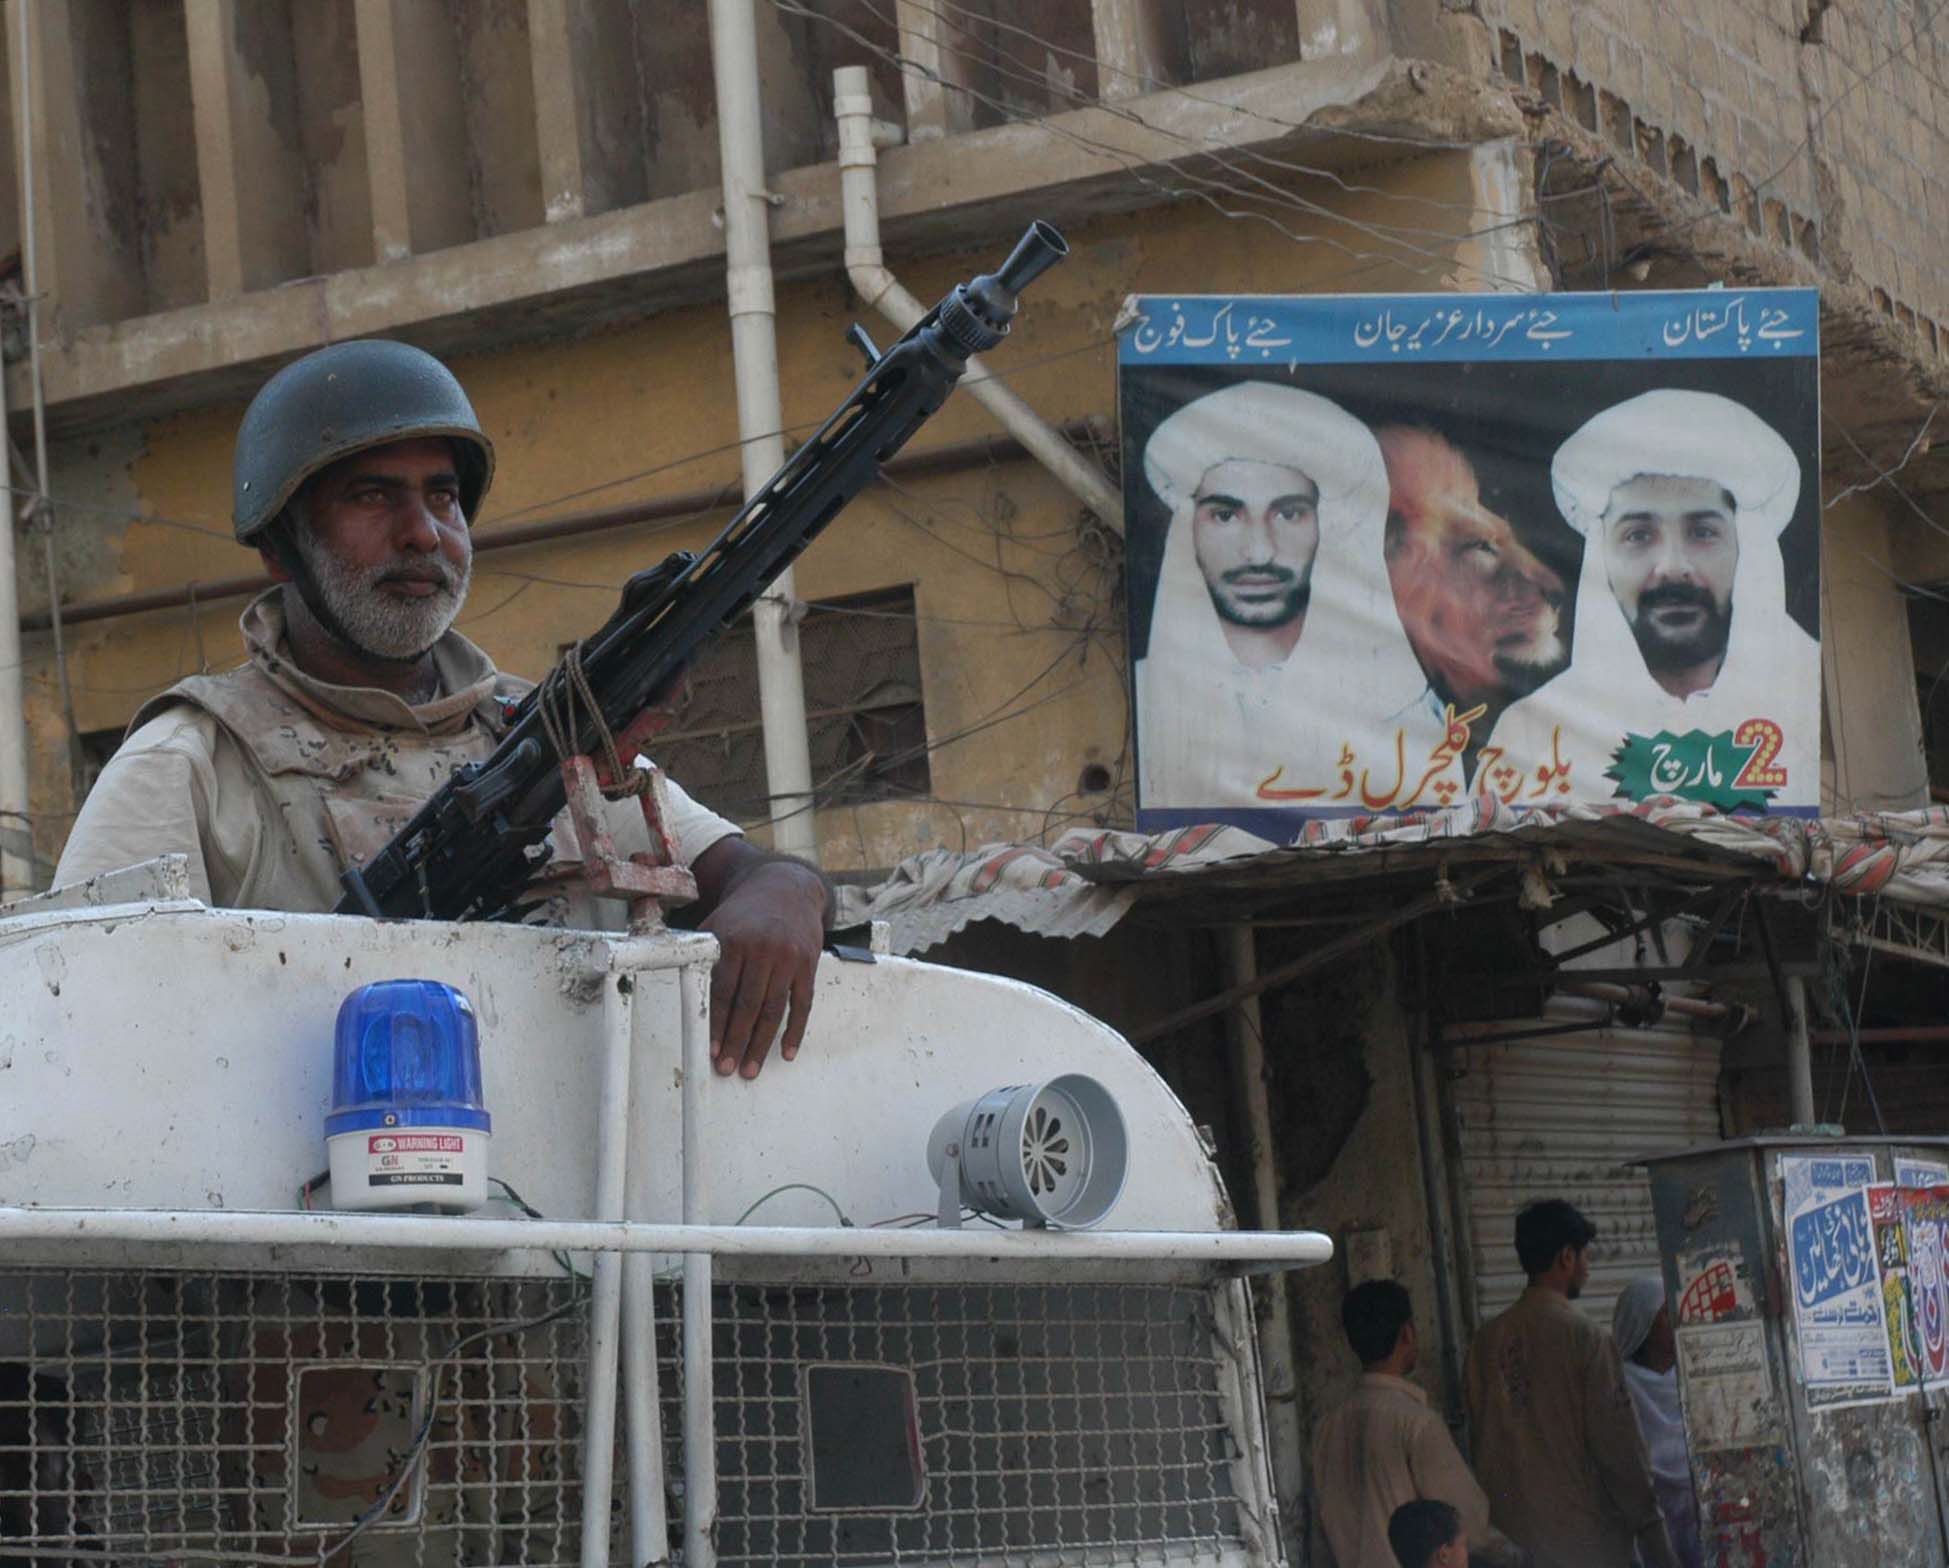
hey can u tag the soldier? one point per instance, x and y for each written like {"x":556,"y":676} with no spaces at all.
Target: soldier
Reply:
{"x":359,"y":471}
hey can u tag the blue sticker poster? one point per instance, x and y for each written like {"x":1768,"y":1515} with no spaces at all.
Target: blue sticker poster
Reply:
{"x":1392,"y":553}
{"x":1837,"y":1303}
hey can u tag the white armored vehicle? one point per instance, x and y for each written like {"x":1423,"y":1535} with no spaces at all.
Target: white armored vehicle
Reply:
{"x":694,"y":1319}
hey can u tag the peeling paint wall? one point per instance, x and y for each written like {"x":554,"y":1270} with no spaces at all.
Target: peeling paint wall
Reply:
{"x":1339,"y":1049}
{"x":1873,"y":759}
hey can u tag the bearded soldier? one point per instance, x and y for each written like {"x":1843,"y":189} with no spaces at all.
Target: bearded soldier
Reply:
{"x":359,"y":471}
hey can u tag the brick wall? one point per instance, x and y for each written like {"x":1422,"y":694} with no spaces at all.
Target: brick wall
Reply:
{"x":1823,"y":126}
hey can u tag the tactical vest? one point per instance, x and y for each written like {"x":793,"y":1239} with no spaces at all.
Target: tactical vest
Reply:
{"x":341,"y":793}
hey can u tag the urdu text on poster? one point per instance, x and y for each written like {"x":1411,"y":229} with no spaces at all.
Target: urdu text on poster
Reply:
{"x":1391,"y":553}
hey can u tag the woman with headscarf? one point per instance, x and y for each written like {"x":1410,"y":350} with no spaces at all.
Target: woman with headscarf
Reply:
{"x":1641,"y":1326}
{"x":1277,"y":673}
{"x":1671,"y":645}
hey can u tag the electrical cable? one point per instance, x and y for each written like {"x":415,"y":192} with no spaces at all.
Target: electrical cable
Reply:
{"x":417,"y":1448}
{"x":796,"y":1186}
{"x":1204,"y":190}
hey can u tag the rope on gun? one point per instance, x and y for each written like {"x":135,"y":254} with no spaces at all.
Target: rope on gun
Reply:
{"x":564,"y":691}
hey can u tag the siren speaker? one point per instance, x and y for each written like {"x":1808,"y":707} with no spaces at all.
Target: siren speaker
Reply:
{"x":1052,"y":1153}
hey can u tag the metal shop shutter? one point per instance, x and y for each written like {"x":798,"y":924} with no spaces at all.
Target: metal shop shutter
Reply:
{"x":1554,"y":1118}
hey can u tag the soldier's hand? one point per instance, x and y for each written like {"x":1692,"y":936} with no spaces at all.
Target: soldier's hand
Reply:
{"x":770,"y":925}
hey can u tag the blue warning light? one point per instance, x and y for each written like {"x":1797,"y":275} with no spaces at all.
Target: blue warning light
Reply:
{"x":406,"y":1054}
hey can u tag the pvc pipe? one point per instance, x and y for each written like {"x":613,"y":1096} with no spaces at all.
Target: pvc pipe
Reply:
{"x":700,"y":1428}
{"x":859,"y":189}
{"x":1276,"y":1358}
{"x":16,"y":823}
{"x":700,"y":1395}
{"x":1684,"y":1006}
{"x":1800,"y":1055}
{"x":30,"y":285}
{"x":605,"y":1309}
{"x":754,"y":361}
{"x":464,"y":1233}
{"x":642,"y":1422}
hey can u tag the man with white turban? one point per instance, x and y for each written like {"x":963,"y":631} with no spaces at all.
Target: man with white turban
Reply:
{"x":1641,"y":1325}
{"x":1681,"y":621}
{"x":1277,"y":673}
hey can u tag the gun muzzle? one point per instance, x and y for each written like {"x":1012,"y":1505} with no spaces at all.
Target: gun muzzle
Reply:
{"x":1034,"y":254}
{"x":976,"y":316}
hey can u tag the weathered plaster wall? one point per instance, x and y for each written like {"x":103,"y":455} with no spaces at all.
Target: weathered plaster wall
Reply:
{"x":1822,"y":126}
{"x":1018,"y":611}
{"x":1339,"y":1052}
{"x":1874,"y":758}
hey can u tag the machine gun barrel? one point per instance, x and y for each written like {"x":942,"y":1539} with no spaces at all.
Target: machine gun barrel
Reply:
{"x":1039,"y":249}
{"x":472,"y":849}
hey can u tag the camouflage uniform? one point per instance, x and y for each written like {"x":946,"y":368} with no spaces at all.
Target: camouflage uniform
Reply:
{"x":272,"y":782}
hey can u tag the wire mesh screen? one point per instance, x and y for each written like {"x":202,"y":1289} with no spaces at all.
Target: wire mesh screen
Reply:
{"x":865,"y":722}
{"x":155,"y":1418}
{"x":151,"y":1419}
{"x":1084,"y":1421}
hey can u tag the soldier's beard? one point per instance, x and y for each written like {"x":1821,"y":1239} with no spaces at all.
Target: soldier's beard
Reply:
{"x":385,"y":625}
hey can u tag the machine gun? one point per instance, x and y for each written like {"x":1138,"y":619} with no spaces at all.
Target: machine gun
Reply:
{"x":473,"y":848}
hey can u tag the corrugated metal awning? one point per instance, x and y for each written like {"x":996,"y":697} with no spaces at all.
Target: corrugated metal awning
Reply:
{"x":1087,"y":880}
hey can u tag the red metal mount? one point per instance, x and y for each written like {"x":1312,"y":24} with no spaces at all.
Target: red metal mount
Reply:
{"x":652,"y":882}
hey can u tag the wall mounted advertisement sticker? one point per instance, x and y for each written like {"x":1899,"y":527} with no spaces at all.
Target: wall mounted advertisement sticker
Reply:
{"x":1925,"y":1212}
{"x":1897,"y":1294}
{"x":1392,"y":553}
{"x":1837,"y":1303}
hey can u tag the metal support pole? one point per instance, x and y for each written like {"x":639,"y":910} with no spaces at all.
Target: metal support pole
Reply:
{"x":31,"y":286}
{"x":605,"y":1309}
{"x":754,"y":359}
{"x":1427,"y":1130}
{"x":700,"y":1437}
{"x":17,"y":878}
{"x":976,"y":1248}
{"x":1244,"y":1023}
{"x":649,"y":1533}
{"x":1800,"y":1054}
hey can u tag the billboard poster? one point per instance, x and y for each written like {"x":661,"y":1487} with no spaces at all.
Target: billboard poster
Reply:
{"x":1392,"y":553}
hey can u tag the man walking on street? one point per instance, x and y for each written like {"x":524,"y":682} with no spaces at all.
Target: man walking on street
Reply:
{"x":1384,"y":1447}
{"x":1556,"y":1442}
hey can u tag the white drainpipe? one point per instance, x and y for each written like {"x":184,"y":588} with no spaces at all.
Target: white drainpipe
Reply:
{"x":17,"y":878}
{"x":859,"y":138}
{"x":754,"y":359}
{"x":16,"y":829}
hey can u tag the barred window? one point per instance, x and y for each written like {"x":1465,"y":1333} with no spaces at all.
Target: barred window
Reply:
{"x":865,"y":719}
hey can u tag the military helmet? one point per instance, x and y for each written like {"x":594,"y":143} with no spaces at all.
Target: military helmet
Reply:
{"x":341,"y":400}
